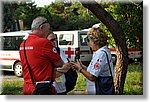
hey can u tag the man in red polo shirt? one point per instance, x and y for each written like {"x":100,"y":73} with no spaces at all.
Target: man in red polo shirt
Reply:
{"x":41,"y":55}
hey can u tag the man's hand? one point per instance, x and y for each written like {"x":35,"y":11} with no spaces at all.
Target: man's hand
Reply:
{"x":64,"y":68}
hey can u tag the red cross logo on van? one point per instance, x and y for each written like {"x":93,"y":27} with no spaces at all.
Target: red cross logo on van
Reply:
{"x":69,"y":52}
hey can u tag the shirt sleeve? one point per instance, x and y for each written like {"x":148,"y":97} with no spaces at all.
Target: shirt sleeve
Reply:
{"x":50,"y":51}
{"x":97,"y":63}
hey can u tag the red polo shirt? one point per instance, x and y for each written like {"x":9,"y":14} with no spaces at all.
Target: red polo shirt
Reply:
{"x":41,"y":55}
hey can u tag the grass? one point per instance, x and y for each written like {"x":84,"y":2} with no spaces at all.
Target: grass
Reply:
{"x":133,"y":84}
{"x":80,"y":87}
{"x":12,"y":87}
{"x":134,"y":80}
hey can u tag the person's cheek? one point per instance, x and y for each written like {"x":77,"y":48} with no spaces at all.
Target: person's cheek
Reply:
{"x":55,"y":43}
{"x":90,"y":46}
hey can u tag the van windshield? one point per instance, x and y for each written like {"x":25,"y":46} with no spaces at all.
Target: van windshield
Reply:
{"x":83,"y":39}
{"x":66,"y":39}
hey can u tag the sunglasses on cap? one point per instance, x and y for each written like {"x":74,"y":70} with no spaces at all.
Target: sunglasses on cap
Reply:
{"x":54,"y":39}
{"x":43,"y":23}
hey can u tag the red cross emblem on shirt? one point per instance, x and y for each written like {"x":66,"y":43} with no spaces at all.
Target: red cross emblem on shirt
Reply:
{"x":69,"y":52}
{"x":96,"y":66}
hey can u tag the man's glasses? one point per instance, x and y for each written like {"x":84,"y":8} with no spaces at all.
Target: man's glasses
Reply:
{"x":43,"y":23}
{"x":53,"y":39}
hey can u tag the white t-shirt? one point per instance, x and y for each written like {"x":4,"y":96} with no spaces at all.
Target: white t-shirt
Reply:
{"x":59,"y":82}
{"x":99,"y":67}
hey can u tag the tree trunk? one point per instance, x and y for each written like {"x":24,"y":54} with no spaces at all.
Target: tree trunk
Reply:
{"x":119,"y":37}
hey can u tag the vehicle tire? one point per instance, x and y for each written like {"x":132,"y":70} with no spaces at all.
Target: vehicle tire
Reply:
{"x":114,"y":59}
{"x":18,"y":69}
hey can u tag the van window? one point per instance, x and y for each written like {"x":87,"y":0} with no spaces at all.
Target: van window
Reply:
{"x":83,"y":39}
{"x":66,"y":39}
{"x":11,"y":42}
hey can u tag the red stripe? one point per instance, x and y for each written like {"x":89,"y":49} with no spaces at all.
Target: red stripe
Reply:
{"x":112,"y":49}
{"x":8,"y":59}
{"x":134,"y":49}
{"x":129,"y":49}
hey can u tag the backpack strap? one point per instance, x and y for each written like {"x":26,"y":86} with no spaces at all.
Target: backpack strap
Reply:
{"x":108,"y":62}
{"x":29,"y":67}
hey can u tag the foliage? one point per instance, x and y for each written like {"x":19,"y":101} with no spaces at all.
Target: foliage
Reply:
{"x":63,"y":16}
{"x":111,"y":41}
{"x":9,"y":16}
{"x":27,"y":12}
{"x":130,"y":17}
{"x":73,"y":16}
{"x":132,"y":23}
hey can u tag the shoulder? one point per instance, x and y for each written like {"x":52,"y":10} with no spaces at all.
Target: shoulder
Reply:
{"x":22,"y":44}
{"x":103,"y":51}
{"x":100,"y":54}
{"x":44,"y":42}
{"x":36,"y":39}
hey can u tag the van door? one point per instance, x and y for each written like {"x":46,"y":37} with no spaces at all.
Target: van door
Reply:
{"x":66,"y":43}
{"x":85,"y":52}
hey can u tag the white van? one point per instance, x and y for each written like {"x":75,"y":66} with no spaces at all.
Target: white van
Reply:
{"x":9,"y":52}
{"x":74,"y":45}
{"x":72,"y":42}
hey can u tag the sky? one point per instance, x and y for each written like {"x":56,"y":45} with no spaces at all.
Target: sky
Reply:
{"x":41,"y":3}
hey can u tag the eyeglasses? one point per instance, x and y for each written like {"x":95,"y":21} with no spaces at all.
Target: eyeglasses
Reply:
{"x":43,"y":23}
{"x":53,"y":39}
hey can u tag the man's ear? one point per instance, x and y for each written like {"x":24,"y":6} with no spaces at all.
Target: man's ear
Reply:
{"x":41,"y":27}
